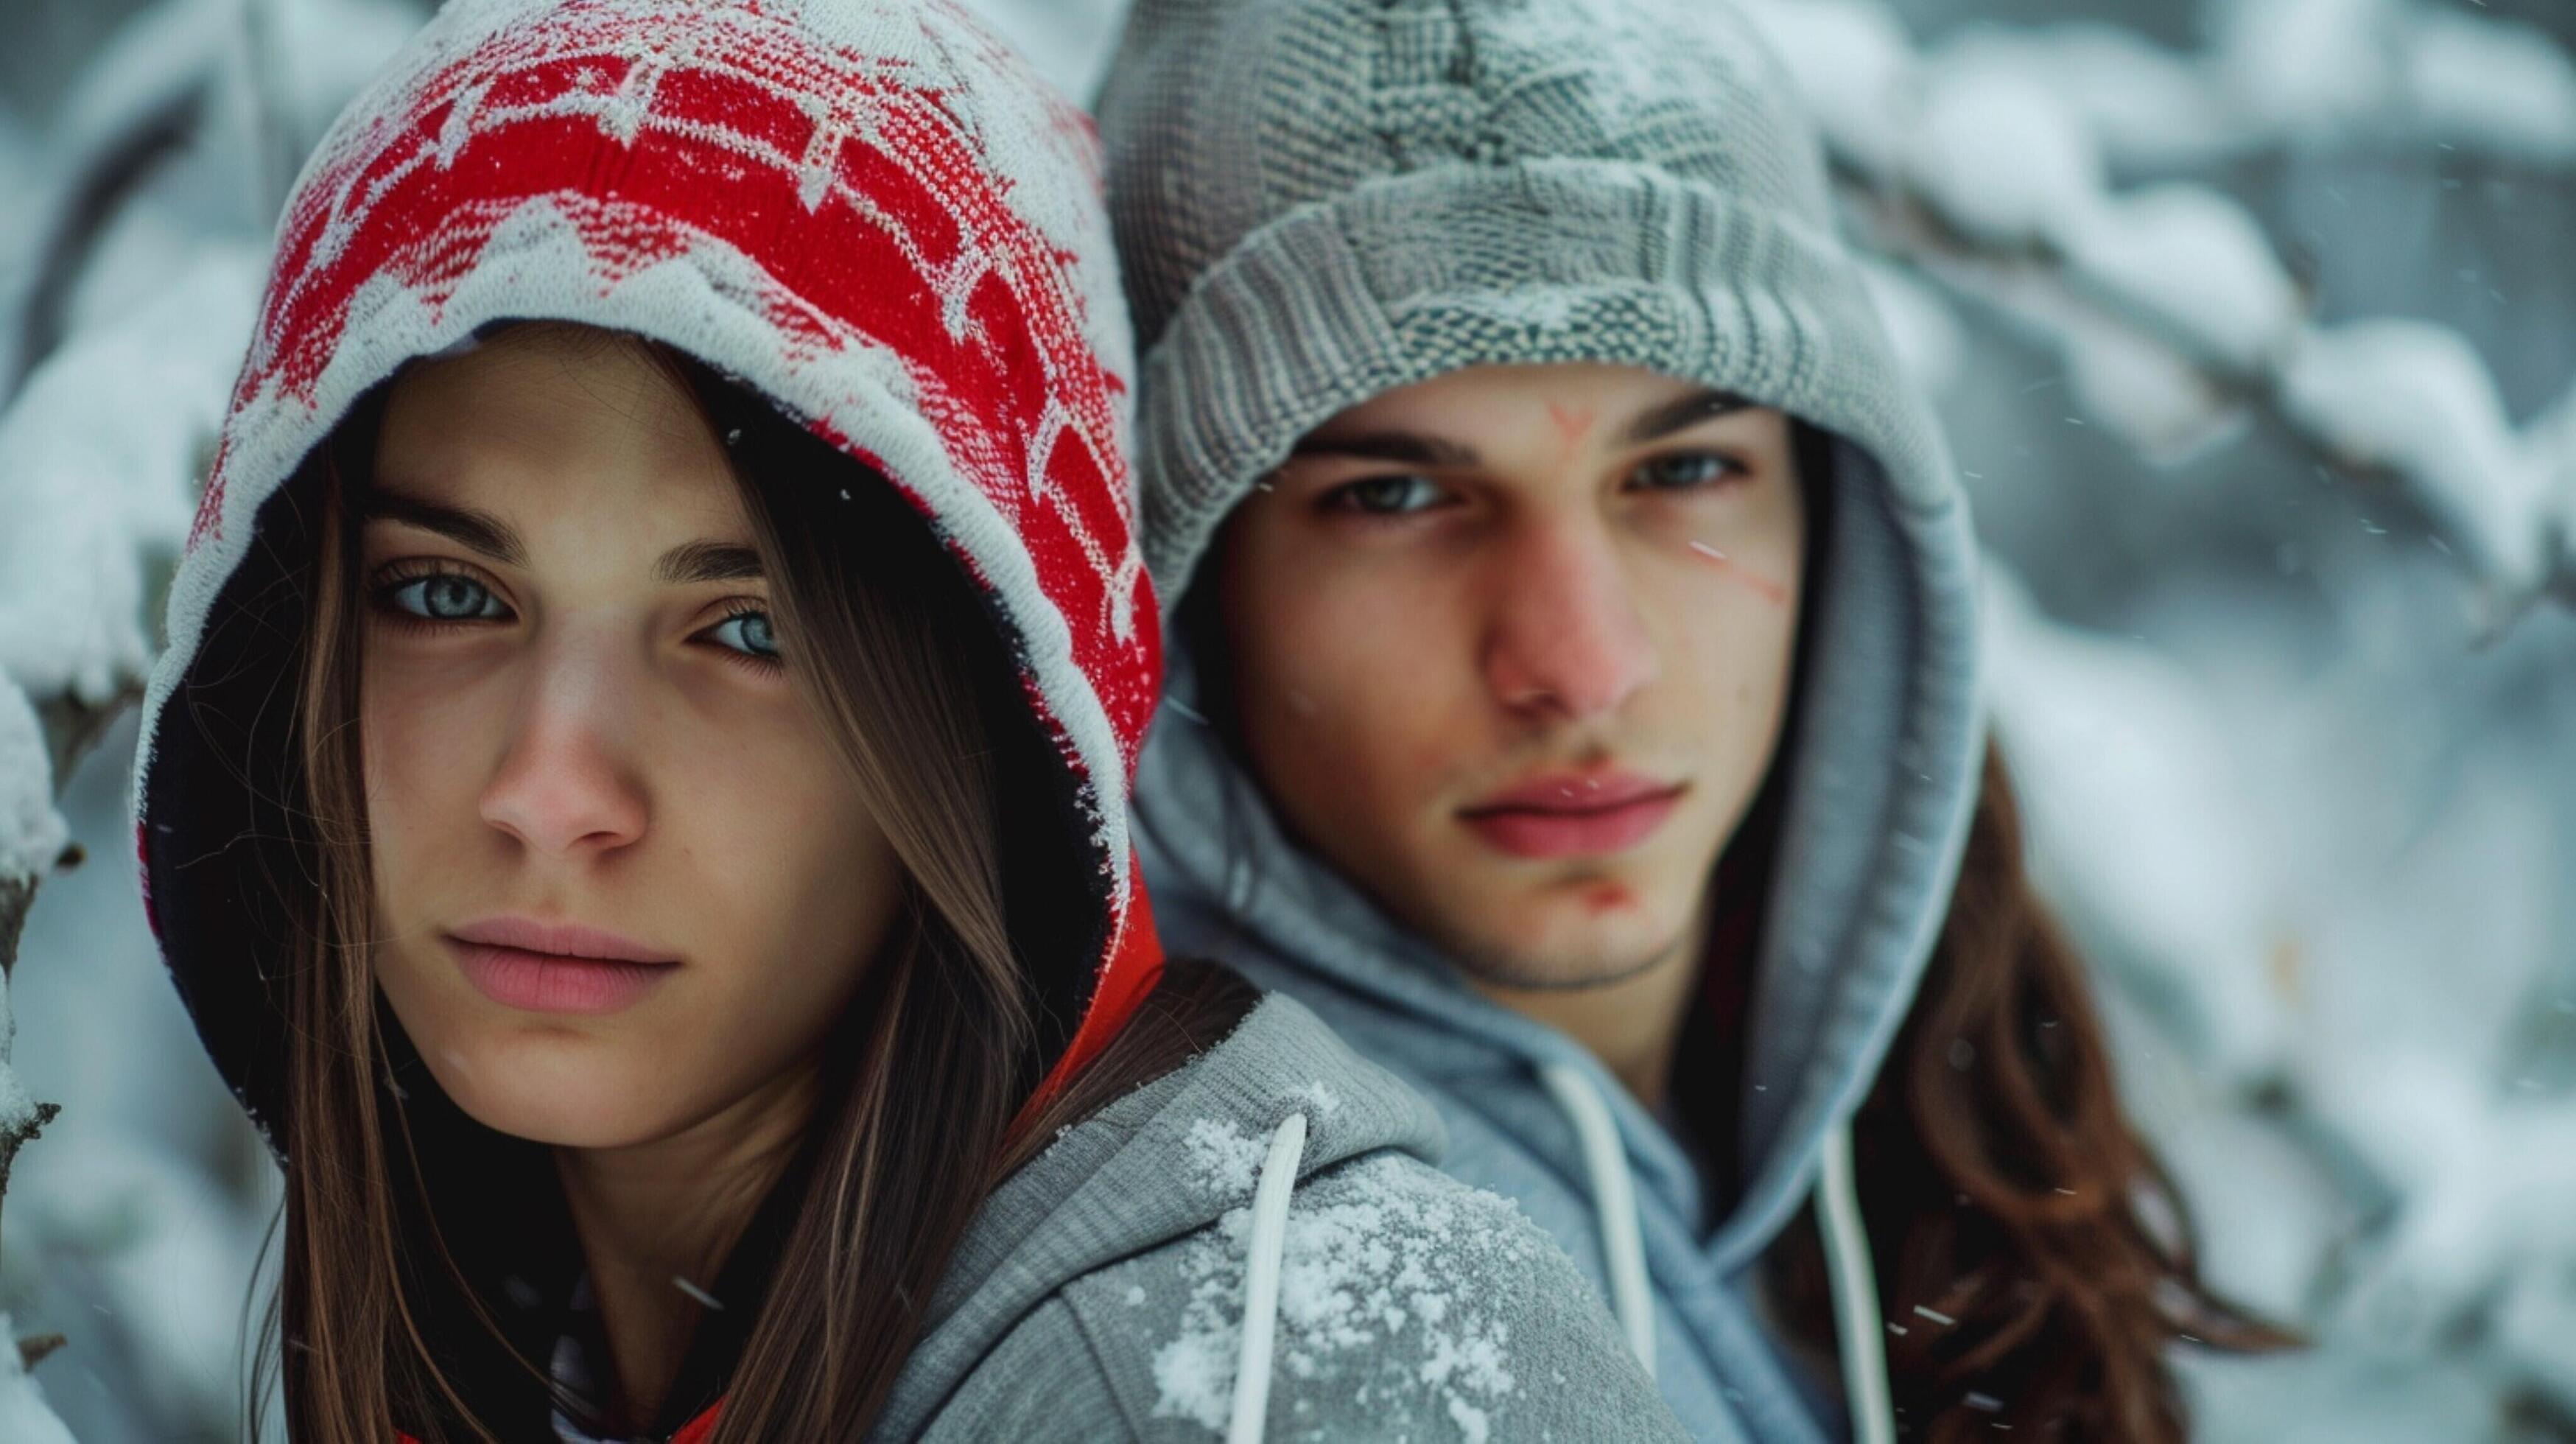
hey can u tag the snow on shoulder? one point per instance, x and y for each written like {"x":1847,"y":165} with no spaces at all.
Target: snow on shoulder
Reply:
{"x":1396,"y":1293}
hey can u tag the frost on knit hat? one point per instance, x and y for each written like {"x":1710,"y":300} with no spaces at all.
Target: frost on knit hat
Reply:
{"x":1319,"y":201}
{"x":868,"y":211}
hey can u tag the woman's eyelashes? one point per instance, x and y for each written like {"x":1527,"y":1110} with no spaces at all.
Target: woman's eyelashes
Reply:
{"x":434,"y":598}
{"x":747,"y":631}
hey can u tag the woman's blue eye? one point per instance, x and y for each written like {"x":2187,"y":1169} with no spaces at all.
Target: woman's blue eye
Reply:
{"x":749,"y":633}
{"x":1386,"y":495}
{"x":446,"y":597}
{"x":1684,"y":470}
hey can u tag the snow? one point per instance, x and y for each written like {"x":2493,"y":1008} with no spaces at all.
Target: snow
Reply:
{"x":2299,"y":63}
{"x":2194,"y":261}
{"x":2001,"y":156}
{"x":2148,"y":107}
{"x":1326,"y":1102}
{"x":2415,"y":399}
{"x":32,"y":835}
{"x":31,"y":832}
{"x":325,"y":51}
{"x":1224,"y":1160}
{"x":1852,"y":64}
{"x":2502,"y":86}
{"x":2550,"y":451}
{"x":99,"y":460}
{"x":132,"y":1225}
{"x":2146,"y":390}
{"x":24,"y":1419}
{"x":1370,"y":1299}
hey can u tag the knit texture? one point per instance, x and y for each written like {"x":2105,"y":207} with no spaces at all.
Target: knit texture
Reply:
{"x":869,"y":211}
{"x":1317,"y":201}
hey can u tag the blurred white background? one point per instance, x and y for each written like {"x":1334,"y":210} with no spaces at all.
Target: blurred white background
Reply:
{"x":2254,"y":325}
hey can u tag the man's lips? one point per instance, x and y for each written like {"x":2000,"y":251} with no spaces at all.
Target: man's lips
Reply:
{"x":555,"y":967}
{"x":1574,"y":814}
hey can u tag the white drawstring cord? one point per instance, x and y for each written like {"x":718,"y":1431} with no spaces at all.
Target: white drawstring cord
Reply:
{"x":1855,"y":1284}
{"x":1614,"y":1204}
{"x":1266,"y":1252}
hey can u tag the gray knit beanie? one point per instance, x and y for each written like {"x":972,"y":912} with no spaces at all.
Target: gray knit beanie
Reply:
{"x":1317,"y":201}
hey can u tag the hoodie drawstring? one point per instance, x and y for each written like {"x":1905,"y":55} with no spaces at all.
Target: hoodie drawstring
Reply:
{"x":1614,"y":1204}
{"x":1267,"y":1251}
{"x":1855,"y":1285}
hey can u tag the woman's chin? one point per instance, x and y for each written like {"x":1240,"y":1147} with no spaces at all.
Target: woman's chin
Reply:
{"x":565,"y":1092}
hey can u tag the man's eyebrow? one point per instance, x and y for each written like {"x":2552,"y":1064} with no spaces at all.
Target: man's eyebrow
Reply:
{"x":488,"y":535}
{"x":1682,"y":414}
{"x":1407,"y":447}
{"x":474,"y":530}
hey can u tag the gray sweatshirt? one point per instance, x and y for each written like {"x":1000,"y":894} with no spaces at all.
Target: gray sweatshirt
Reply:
{"x":1102,"y":1292}
{"x":1318,"y":201}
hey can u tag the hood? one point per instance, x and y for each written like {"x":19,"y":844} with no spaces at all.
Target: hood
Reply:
{"x":867,"y":212}
{"x":1319,"y":200}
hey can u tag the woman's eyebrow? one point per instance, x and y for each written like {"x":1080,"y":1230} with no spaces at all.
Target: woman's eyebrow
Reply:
{"x":707,"y":561}
{"x":489,"y":536}
{"x":476,"y":531}
{"x":1682,"y":413}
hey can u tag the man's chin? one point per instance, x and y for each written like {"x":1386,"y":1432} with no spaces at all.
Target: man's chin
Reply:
{"x":1575,"y":959}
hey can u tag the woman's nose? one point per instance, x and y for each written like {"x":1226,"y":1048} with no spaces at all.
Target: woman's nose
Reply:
{"x":566,"y":783}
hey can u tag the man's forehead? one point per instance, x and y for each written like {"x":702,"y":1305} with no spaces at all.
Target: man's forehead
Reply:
{"x":1437,"y":422}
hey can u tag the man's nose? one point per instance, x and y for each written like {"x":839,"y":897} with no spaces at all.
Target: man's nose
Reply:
{"x":1565,"y":639}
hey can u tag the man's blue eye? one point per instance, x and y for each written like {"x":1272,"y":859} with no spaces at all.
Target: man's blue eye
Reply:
{"x":1684,"y":470}
{"x":446,"y":597}
{"x":749,"y":633}
{"x":1387,"y":495}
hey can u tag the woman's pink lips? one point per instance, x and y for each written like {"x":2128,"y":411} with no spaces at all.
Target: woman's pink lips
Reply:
{"x":1574,"y":817}
{"x":554,"y":982}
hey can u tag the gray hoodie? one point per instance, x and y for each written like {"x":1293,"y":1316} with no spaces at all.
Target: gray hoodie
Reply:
{"x":1317,"y":201}
{"x":1102,"y":1291}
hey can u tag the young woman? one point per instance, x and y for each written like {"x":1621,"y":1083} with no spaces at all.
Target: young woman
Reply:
{"x":1576,"y":704}
{"x":635,"y":800}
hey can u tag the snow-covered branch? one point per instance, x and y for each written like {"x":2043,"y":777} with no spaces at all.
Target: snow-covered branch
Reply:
{"x":2408,"y":75}
{"x":1985,"y":165}
{"x":98,"y":459}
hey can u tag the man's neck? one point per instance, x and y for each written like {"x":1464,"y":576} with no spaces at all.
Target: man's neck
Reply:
{"x":656,"y":1221}
{"x":1632,"y":1025}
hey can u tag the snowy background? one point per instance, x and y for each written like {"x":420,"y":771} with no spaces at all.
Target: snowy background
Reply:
{"x":2254,"y":324}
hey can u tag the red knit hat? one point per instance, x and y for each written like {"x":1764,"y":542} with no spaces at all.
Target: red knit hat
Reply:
{"x":868,"y":211}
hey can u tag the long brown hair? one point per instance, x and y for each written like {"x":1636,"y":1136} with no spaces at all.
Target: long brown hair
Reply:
{"x":2033,"y":1258}
{"x":391,"y":1309}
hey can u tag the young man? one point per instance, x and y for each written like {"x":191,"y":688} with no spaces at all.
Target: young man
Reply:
{"x":1542,"y":512}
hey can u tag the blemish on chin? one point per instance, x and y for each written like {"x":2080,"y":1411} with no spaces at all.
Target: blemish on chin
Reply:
{"x":1608,"y":897}
{"x":1301,"y":704}
{"x":1761,"y":586}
